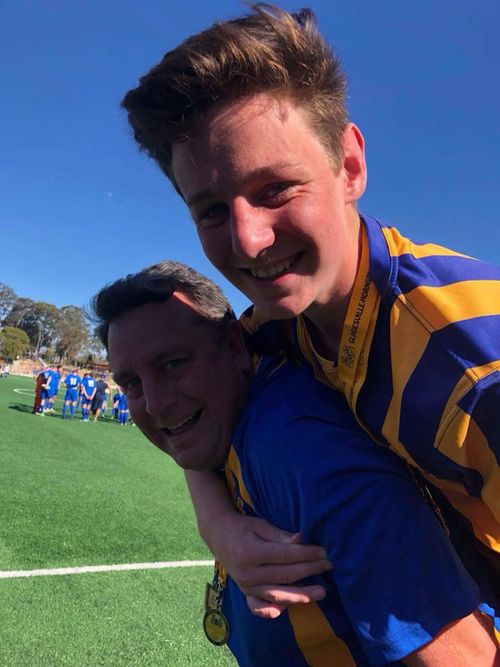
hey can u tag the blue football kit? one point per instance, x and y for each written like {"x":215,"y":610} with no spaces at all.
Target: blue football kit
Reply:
{"x":55,"y":379}
{"x":300,"y":460}
{"x":72,"y":382}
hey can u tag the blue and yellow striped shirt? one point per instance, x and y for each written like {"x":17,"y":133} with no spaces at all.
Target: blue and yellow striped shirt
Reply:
{"x":419,"y":363}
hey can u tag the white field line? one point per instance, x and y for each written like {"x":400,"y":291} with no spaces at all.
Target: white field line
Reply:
{"x":25,"y":392}
{"x":84,"y":569}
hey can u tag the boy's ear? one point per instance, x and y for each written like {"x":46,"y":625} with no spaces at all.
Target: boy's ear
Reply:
{"x":353,"y":163}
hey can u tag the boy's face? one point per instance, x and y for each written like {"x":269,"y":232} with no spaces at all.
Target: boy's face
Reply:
{"x":273,"y":213}
{"x":184,"y":386}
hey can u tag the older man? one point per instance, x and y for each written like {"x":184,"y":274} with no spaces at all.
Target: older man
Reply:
{"x":398,"y":593}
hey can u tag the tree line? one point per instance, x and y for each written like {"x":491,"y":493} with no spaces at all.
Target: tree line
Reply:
{"x":40,"y":329}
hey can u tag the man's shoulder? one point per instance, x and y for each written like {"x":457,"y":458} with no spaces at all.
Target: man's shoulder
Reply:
{"x":289,"y":413}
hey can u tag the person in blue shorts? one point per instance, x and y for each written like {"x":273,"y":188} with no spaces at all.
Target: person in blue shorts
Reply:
{"x":55,"y":381}
{"x":45,"y":390}
{"x":72,"y":382}
{"x":120,"y":406}
{"x":88,"y":390}
{"x":398,"y":592}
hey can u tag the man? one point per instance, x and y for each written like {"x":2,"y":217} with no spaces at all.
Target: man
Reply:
{"x":101,"y":390}
{"x":42,"y":392}
{"x":55,"y":381}
{"x":88,"y":389}
{"x":72,"y":382}
{"x":248,"y":121}
{"x":177,"y":351}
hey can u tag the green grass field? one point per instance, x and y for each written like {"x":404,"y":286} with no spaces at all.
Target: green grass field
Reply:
{"x":75,"y":494}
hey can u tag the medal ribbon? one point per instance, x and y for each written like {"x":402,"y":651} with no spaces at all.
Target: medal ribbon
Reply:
{"x":359,"y":326}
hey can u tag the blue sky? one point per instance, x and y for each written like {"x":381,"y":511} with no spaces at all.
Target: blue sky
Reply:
{"x":79,"y":206}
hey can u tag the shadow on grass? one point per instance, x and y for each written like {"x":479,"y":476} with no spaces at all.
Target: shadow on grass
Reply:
{"x":21,"y":407}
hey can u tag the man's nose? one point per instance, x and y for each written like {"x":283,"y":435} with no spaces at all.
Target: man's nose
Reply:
{"x":158,"y":397}
{"x":251,"y":229}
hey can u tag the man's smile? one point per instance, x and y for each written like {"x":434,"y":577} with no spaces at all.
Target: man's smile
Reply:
{"x":184,"y":424}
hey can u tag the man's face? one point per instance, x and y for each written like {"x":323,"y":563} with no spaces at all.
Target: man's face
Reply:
{"x":273,"y":213}
{"x":185,"y":387}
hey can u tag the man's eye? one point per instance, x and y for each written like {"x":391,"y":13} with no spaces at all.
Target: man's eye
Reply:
{"x":131,"y":385}
{"x":174,"y":364}
{"x":212,"y":216}
{"x":274,"y":190}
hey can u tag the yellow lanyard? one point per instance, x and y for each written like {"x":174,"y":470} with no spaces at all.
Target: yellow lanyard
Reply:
{"x":359,"y":326}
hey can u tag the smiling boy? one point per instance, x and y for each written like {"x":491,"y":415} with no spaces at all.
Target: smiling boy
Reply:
{"x":248,"y":121}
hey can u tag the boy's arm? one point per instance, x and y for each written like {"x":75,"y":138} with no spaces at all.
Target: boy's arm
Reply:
{"x":253,"y":551}
{"x":465,"y":642}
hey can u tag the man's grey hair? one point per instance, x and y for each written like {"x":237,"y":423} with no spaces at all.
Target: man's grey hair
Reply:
{"x":154,"y":284}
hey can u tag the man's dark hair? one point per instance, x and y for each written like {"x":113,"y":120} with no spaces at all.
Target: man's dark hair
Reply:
{"x":157,"y":283}
{"x":268,"y":51}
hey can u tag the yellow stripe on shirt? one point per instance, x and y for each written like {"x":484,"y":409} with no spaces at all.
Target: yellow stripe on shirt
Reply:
{"x":316,"y":639}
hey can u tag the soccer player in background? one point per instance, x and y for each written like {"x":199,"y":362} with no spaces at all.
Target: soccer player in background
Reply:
{"x":72,"y":382}
{"x":105,"y":403}
{"x":55,"y":381}
{"x":88,"y":389}
{"x":44,"y":391}
{"x":99,"y":397}
{"x":39,"y":379}
{"x":121,"y":407}
{"x":115,"y":413}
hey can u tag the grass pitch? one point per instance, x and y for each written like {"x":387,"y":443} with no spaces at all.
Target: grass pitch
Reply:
{"x":74,"y":494}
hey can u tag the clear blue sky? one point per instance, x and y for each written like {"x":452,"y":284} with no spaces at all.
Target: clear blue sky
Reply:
{"x":79,"y":206}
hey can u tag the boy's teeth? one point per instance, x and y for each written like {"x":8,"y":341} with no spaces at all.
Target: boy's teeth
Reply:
{"x":271,"y":271}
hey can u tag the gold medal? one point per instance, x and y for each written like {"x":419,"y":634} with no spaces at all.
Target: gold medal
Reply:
{"x":216,"y":627}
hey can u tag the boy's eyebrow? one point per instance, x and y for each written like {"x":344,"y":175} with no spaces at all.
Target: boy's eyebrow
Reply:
{"x":259,"y":172}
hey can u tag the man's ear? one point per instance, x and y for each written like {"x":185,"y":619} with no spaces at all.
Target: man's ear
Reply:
{"x":238,"y":348}
{"x":353,"y":163}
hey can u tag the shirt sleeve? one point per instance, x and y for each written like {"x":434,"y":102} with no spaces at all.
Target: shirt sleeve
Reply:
{"x":472,"y":441}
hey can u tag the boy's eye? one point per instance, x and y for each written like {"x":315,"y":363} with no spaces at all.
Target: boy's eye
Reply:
{"x":212,"y":216}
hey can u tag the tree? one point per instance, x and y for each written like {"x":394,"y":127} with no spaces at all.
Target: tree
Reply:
{"x":7,"y":300}
{"x":72,"y":335}
{"x":37,"y":318}
{"x":13,"y":342}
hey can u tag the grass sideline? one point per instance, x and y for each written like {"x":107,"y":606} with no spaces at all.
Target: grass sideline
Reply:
{"x":74,"y":494}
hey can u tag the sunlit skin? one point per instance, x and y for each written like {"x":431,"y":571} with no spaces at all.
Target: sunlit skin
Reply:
{"x":273,"y":211}
{"x":184,"y":386}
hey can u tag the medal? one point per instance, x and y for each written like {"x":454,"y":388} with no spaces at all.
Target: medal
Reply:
{"x":216,"y":627}
{"x":215,"y":624}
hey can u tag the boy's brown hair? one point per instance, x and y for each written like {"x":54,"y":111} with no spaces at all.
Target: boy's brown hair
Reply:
{"x":268,"y":51}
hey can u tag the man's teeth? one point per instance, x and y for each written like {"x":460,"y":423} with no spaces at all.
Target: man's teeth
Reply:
{"x":176,"y":427}
{"x":271,"y":271}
